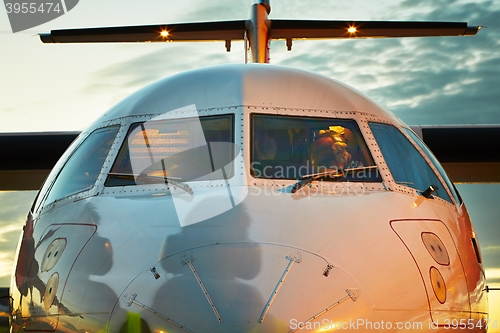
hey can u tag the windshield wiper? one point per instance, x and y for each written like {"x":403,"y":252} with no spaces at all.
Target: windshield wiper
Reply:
{"x":175,"y":181}
{"x":308,"y":179}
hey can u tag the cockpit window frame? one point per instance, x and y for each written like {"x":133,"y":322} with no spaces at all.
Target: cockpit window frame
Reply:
{"x":424,"y":156}
{"x":130,"y":126}
{"x":353,"y":118}
{"x":434,"y":162}
{"x":41,"y":204}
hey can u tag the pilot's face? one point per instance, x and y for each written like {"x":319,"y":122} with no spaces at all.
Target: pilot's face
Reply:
{"x":328,"y":148}
{"x":341,"y":152}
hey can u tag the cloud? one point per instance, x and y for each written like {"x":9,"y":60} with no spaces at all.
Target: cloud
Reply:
{"x":14,"y":207}
{"x":437,"y":80}
{"x":485,"y":11}
{"x":126,"y":76}
{"x":491,"y":256}
{"x":217,"y":11}
{"x":493,"y":275}
{"x":9,"y":239}
{"x":427,"y":3}
{"x":481,"y":201}
{"x":459,"y":76}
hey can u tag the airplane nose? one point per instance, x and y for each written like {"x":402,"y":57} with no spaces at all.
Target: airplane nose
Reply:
{"x":240,"y":287}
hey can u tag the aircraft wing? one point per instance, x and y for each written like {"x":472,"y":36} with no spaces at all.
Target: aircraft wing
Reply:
{"x":29,"y":157}
{"x":188,"y":32}
{"x":310,"y":29}
{"x":468,"y":153}
{"x":279,"y":29}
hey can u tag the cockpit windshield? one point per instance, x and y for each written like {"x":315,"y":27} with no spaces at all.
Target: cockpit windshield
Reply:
{"x":287,"y":147}
{"x":176,"y":150}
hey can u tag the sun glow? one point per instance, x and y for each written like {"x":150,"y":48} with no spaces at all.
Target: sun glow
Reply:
{"x":164,"y":33}
{"x":352,"y":30}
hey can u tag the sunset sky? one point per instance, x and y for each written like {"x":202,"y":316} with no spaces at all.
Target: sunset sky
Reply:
{"x":449,"y":80}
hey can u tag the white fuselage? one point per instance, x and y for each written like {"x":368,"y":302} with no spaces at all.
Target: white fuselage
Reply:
{"x":244,"y":253}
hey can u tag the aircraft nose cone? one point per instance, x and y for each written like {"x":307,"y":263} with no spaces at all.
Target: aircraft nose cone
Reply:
{"x":240,"y":287}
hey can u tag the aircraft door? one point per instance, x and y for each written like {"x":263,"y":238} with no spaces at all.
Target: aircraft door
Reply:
{"x":432,"y":248}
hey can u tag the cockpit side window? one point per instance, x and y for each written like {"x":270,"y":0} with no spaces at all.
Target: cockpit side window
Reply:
{"x":83,"y":167}
{"x":290,"y":147}
{"x":407,"y":165}
{"x":436,"y":164}
{"x":188,"y":149}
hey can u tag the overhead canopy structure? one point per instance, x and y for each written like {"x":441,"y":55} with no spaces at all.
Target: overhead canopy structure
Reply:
{"x":469,"y":154}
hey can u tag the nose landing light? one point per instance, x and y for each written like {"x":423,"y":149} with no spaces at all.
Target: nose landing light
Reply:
{"x":438,"y":285}
{"x":436,"y":248}
{"x":52,"y":254}
{"x":50,"y":291}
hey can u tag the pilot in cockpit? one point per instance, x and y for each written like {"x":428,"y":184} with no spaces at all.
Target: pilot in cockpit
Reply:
{"x":332,"y":149}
